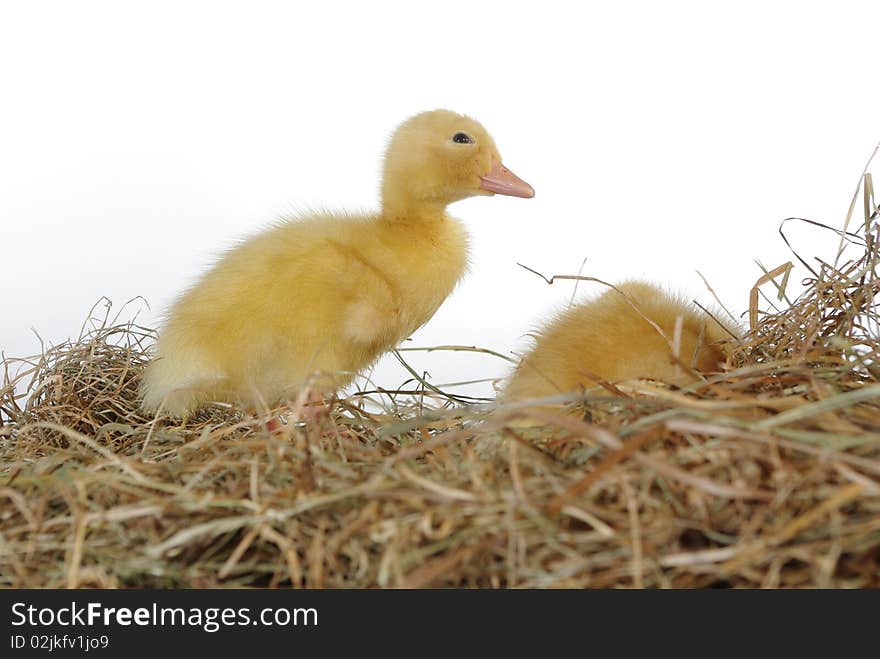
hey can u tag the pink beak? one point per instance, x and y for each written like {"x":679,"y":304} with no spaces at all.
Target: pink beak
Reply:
{"x":503,"y":181}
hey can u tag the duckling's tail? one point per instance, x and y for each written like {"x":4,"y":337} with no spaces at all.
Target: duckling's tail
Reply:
{"x":168,"y":390}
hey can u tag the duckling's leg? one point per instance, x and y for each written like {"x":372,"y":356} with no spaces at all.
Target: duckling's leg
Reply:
{"x":272,"y":423}
{"x":310,"y":406}
{"x":259,"y":409}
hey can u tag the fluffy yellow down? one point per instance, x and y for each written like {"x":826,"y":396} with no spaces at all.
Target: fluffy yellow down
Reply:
{"x":314,"y":300}
{"x":607,"y":339}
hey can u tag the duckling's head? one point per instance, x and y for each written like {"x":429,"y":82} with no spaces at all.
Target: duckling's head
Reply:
{"x":438,"y":157}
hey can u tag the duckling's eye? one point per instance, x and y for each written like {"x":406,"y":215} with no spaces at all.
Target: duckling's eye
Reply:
{"x":462,"y":138}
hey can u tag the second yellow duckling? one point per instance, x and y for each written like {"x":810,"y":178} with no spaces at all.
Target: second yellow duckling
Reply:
{"x":611,"y":339}
{"x":329,"y":293}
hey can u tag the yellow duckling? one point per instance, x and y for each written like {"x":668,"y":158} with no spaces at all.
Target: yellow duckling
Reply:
{"x":328,"y":293}
{"x":611,"y":339}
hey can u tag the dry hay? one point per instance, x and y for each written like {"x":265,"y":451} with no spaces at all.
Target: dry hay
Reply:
{"x":766,"y":475}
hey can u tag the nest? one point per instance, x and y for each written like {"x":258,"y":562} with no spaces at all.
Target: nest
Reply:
{"x":765,"y":475}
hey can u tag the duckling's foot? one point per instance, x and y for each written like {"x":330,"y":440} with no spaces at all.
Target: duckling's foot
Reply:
{"x":311,"y":407}
{"x":275,"y":426}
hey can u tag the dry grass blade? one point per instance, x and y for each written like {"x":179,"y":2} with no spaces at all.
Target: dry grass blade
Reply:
{"x":765,"y":474}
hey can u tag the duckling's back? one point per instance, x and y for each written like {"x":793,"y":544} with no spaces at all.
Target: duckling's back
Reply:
{"x":607,"y":339}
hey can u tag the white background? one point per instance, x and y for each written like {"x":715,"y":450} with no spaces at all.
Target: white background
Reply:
{"x":138,"y":140}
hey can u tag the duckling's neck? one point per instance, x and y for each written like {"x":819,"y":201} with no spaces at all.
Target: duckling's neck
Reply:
{"x":401,"y":209}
